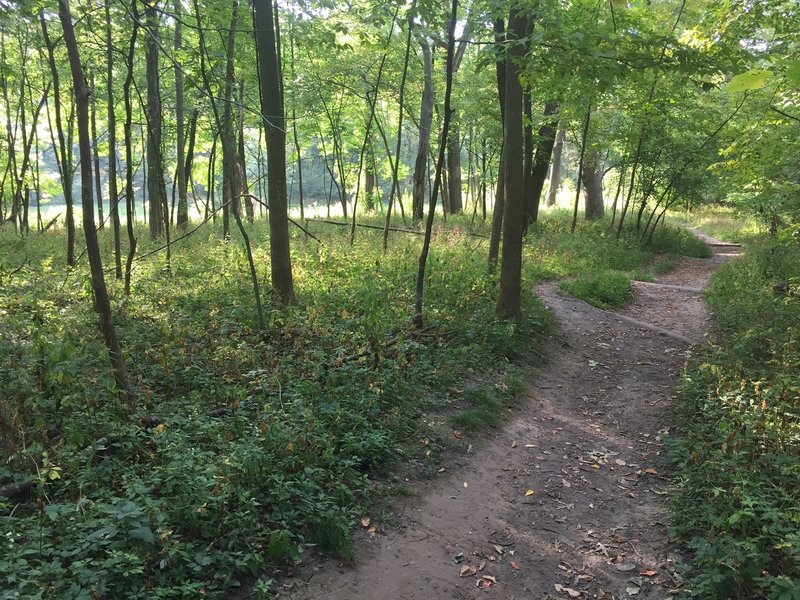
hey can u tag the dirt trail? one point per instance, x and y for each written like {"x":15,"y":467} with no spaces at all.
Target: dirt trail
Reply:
{"x":587,"y":442}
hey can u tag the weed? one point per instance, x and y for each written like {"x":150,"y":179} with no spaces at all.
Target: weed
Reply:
{"x":606,"y":289}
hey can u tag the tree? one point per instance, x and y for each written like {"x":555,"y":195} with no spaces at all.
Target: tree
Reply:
{"x":509,"y":301}
{"x":274,"y":121}
{"x":101,"y":300}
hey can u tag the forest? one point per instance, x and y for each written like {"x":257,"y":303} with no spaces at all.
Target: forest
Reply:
{"x":270,"y":272}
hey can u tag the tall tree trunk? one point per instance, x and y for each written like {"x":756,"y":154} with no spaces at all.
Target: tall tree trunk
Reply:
{"x":555,"y":171}
{"x":509,"y":299}
{"x":426,"y":244}
{"x":182,"y":218}
{"x":98,"y":183}
{"x":271,"y":86}
{"x":580,"y":167}
{"x":101,"y":300}
{"x":500,"y":195}
{"x":544,"y":150}
{"x":456,"y":201}
{"x":130,"y":197}
{"x":65,"y":166}
{"x":401,"y":101}
{"x":113,"y":191}
{"x":425,"y":123}
{"x":249,"y":209}
{"x":231,"y":170}
{"x":592,"y":176}
{"x":297,"y":149}
{"x":156,"y":188}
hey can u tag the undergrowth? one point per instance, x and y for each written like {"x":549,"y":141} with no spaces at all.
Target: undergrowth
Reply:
{"x":737,"y":450}
{"x":248,"y":445}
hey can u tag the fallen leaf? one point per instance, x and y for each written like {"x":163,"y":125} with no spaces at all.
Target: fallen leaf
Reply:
{"x":468,"y":571}
{"x":466,"y":484}
{"x":530,"y":445}
{"x":372,"y":529}
{"x":649,"y":573}
{"x":620,"y":462}
{"x":632,"y":591}
{"x":566,"y":483}
{"x":486,"y":581}
{"x":595,"y":466}
{"x":625,"y":568}
{"x":457,"y":434}
{"x":565,"y":590}
{"x":514,"y":566}
{"x":530,"y":493}
{"x":482,"y":566}
{"x":514,"y":444}
{"x":365,"y":521}
{"x":498,"y":549}
{"x":651,"y":471}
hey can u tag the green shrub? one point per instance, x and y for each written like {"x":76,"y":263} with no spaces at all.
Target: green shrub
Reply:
{"x":737,"y":448}
{"x":607,"y":289}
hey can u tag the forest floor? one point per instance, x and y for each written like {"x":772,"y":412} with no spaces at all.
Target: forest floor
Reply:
{"x":568,"y":500}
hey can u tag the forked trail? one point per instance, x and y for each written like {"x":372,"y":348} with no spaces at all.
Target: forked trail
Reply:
{"x":587,"y":443}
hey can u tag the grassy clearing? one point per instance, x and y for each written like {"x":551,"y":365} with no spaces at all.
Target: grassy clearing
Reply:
{"x":737,"y":451}
{"x":725,"y":223}
{"x":250,"y":445}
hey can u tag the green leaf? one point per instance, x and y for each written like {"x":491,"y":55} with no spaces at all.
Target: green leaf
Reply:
{"x":793,"y":72}
{"x":755,"y":79}
{"x":143,"y":533}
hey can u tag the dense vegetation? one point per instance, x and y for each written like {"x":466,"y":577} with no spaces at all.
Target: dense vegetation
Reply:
{"x":738,"y":454}
{"x":247,"y":391}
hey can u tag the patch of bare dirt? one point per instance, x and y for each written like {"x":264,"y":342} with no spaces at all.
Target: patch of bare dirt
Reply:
{"x":566,"y":501}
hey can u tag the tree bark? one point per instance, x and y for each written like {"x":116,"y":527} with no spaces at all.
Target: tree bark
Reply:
{"x":113,"y":191}
{"x":272,"y":112}
{"x":156,"y":188}
{"x":182,"y":218}
{"x":101,"y":300}
{"x":509,"y":299}
{"x":500,"y":194}
{"x":425,"y":123}
{"x":593,"y":186}
{"x":231,"y":185}
{"x":544,"y":151}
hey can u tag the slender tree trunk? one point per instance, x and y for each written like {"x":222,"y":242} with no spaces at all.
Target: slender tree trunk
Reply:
{"x":130,"y":198}
{"x":231,"y":180}
{"x":426,"y":244}
{"x":555,"y":171}
{"x":156,"y":190}
{"x":98,"y":182}
{"x":456,"y":202}
{"x":113,"y":191}
{"x":509,"y":299}
{"x":272,"y":111}
{"x":101,"y":300}
{"x":297,"y":150}
{"x":64,"y":160}
{"x":500,"y":194}
{"x":182,"y":218}
{"x":425,"y":124}
{"x":580,"y":167}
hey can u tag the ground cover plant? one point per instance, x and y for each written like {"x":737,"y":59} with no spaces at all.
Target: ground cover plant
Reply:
{"x":737,"y":451}
{"x":248,"y":445}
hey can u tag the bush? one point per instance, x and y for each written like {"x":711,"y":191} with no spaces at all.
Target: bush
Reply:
{"x":607,"y":289}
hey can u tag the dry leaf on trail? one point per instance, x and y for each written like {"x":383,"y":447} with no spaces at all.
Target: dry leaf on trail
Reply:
{"x":365,"y":521}
{"x":632,"y":591}
{"x":620,"y":462}
{"x":530,"y":493}
{"x":530,"y":445}
{"x":457,"y":434}
{"x":372,"y":529}
{"x":649,"y":573}
{"x":566,"y":483}
{"x":514,"y":565}
{"x":486,"y":581}
{"x":651,"y":471}
{"x":625,"y":568}
{"x":498,"y":549}
{"x":468,"y":571}
{"x":466,"y":484}
{"x":565,"y":590}
{"x":482,"y":566}
{"x":514,"y":444}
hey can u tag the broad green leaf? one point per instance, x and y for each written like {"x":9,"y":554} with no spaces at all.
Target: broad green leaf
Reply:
{"x":143,"y":533}
{"x":793,"y":72}
{"x":755,"y":79}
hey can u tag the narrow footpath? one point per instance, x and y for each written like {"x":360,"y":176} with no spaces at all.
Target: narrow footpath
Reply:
{"x":569,"y":499}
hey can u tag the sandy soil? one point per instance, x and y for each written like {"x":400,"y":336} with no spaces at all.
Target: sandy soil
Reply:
{"x":566,"y":501}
